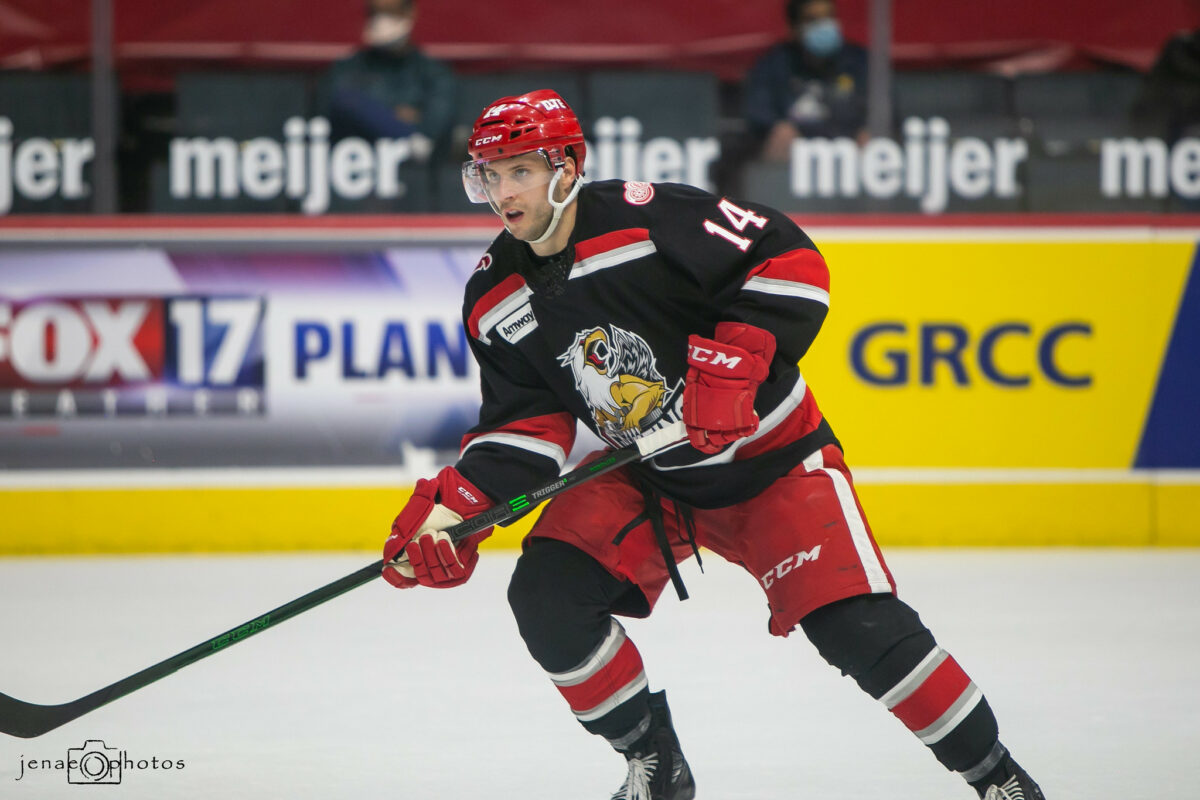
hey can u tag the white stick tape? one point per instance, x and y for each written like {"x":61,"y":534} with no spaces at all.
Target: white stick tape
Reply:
{"x":662,"y":439}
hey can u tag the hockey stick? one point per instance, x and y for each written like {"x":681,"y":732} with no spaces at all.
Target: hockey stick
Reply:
{"x":27,"y":720}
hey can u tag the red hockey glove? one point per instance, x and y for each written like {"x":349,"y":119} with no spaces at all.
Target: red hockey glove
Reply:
{"x":419,"y":551}
{"x":722,"y":378}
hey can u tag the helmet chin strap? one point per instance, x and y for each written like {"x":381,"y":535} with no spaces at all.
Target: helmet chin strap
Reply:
{"x":558,"y":207}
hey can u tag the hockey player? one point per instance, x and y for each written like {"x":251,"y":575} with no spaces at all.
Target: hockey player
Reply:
{"x":630,"y":306}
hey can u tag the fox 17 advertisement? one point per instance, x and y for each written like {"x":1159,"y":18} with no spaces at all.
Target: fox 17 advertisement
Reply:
{"x":147,"y":357}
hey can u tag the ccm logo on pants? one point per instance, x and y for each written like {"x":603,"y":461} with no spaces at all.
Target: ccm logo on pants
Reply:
{"x":788,"y":564}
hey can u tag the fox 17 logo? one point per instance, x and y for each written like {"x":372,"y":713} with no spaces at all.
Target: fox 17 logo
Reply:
{"x":131,"y":356}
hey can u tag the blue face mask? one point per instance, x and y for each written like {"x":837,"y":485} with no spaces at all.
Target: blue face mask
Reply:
{"x":822,"y":38}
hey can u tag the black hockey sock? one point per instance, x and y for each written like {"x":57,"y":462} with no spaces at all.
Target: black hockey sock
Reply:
{"x":999,"y":769}
{"x":563,"y":602}
{"x":991,"y":770}
{"x":881,"y":643}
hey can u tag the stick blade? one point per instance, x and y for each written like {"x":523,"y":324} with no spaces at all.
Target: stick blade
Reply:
{"x":27,"y":720}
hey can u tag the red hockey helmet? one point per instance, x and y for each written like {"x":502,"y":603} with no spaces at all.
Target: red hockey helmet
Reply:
{"x":538,"y":120}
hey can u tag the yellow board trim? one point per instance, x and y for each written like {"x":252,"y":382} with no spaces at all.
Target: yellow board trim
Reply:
{"x":1028,"y":515}
{"x":180,"y":520}
{"x":1177,"y":515}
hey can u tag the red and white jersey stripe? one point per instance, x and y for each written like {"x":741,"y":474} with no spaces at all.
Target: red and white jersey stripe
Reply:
{"x":501,"y":301}
{"x":549,"y":435}
{"x":799,"y":273}
{"x":611,"y":250}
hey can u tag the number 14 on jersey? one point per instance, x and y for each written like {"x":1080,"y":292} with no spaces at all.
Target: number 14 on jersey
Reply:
{"x":740,"y":218}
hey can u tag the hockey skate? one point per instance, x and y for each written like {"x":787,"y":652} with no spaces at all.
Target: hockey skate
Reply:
{"x":657,"y":768}
{"x":1014,"y":784}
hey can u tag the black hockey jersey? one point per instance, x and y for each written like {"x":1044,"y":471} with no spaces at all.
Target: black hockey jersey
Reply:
{"x":600,"y":334}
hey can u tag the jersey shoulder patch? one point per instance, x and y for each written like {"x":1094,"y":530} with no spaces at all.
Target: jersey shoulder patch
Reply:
{"x":638,"y":193}
{"x":493,"y":266}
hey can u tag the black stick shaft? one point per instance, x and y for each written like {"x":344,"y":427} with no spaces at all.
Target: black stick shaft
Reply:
{"x":26,"y":720}
{"x":524,"y":503}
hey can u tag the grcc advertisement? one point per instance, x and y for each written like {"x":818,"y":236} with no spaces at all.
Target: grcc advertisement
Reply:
{"x":928,"y":163}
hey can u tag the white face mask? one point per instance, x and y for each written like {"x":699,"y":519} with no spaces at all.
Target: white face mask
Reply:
{"x":387,"y":30}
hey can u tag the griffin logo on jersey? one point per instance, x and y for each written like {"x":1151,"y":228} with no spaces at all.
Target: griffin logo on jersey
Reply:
{"x":615,"y":372}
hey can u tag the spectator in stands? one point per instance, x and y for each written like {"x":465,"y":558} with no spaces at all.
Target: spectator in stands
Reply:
{"x":390,"y":88}
{"x":812,"y":85}
{"x":1168,"y":105}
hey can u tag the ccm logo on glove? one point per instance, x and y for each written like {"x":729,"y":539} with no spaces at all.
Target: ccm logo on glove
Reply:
{"x":704,"y":355}
{"x":419,"y":550}
{"x":723,"y":377}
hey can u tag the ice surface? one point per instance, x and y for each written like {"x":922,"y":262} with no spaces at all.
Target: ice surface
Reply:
{"x":1088,"y":656}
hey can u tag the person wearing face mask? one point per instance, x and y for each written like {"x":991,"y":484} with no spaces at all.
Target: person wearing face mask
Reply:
{"x":389,"y":88}
{"x":814,"y":84}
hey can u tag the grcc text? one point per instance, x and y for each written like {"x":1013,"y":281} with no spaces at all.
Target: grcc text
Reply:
{"x":882,"y":353}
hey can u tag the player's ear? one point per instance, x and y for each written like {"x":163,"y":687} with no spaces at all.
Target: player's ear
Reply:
{"x":570,"y":169}
{"x":569,"y":176}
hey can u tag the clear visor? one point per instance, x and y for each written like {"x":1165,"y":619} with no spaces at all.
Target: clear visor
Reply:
{"x":493,"y":181}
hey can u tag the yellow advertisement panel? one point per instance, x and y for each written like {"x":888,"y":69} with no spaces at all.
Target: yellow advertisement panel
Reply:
{"x":994,"y":353}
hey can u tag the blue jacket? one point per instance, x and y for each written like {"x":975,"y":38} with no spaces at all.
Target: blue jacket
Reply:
{"x":821,"y":98}
{"x":366,"y":88}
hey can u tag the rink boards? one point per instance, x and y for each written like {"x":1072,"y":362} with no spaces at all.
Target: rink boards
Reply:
{"x":991,"y":384}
